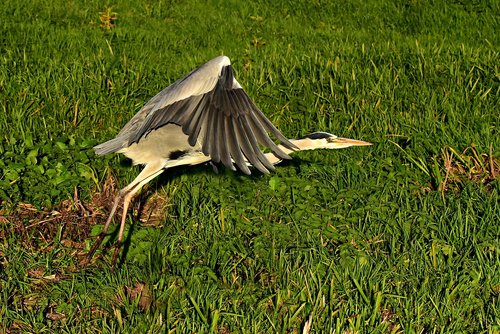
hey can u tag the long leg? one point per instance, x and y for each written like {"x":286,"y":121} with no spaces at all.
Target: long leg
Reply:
{"x":105,"y":229}
{"x":126,"y":202}
{"x":147,"y":174}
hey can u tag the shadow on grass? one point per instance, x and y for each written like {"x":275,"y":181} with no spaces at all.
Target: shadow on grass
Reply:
{"x":171,"y":174}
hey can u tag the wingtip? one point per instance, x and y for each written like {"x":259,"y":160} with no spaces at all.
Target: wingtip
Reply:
{"x":224,"y":60}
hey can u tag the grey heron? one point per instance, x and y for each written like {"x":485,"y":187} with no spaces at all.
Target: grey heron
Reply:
{"x":205,"y":116}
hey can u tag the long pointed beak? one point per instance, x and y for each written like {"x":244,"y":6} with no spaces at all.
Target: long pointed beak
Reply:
{"x":348,"y":142}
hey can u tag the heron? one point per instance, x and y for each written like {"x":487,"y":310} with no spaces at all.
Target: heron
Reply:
{"x":206,"y":116}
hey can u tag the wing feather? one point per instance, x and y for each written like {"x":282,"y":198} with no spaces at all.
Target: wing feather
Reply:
{"x":264,"y":139}
{"x":224,"y":155}
{"x":215,"y":142}
{"x":234,"y":145}
{"x":216,"y":114}
{"x":260,"y":159}
{"x":246,"y":146}
{"x":209,"y":129}
{"x":193,"y":126}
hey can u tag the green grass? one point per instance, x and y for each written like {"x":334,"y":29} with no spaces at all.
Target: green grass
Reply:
{"x":380,"y":239}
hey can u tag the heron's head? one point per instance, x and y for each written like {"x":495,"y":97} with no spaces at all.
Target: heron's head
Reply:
{"x":329,"y":141}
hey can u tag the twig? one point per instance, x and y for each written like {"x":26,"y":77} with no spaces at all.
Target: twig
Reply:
{"x":492,"y":165}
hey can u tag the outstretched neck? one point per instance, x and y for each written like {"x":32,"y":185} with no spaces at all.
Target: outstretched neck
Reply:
{"x":317,"y":140}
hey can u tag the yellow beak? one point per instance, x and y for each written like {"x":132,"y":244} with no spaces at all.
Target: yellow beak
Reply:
{"x":346,"y":142}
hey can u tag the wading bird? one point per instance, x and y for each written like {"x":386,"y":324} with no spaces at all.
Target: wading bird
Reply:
{"x":204,"y":117}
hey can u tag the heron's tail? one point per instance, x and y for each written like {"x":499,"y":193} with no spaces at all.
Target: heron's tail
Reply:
{"x":111,"y":146}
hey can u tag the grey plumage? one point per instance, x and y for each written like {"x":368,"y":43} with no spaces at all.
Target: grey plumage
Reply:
{"x":217,"y":114}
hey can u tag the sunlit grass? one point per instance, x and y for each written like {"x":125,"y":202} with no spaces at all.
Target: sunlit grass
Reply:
{"x":402,"y":236}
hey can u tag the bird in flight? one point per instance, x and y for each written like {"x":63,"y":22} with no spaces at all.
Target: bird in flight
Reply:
{"x":205,"y":116}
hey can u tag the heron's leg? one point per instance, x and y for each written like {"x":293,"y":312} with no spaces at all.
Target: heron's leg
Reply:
{"x":101,"y":236}
{"x":149,"y":173}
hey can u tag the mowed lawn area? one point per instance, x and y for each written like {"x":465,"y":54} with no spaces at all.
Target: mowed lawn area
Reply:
{"x":399,"y":237}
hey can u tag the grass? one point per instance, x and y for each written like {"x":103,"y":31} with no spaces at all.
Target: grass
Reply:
{"x":400,"y":237}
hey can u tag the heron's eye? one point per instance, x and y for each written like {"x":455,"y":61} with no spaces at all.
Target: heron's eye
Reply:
{"x":331,"y":139}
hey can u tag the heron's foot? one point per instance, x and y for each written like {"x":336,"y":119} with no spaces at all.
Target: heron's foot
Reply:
{"x":85,"y":260}
{"x":118,"y":246}
{"x":88,"y":257}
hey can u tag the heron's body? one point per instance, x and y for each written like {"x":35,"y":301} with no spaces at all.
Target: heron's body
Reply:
{"x":149,"y":148}
{"x":205,"y":116}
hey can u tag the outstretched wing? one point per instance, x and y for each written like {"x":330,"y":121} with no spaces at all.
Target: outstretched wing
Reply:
{"x":216,"y":113}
